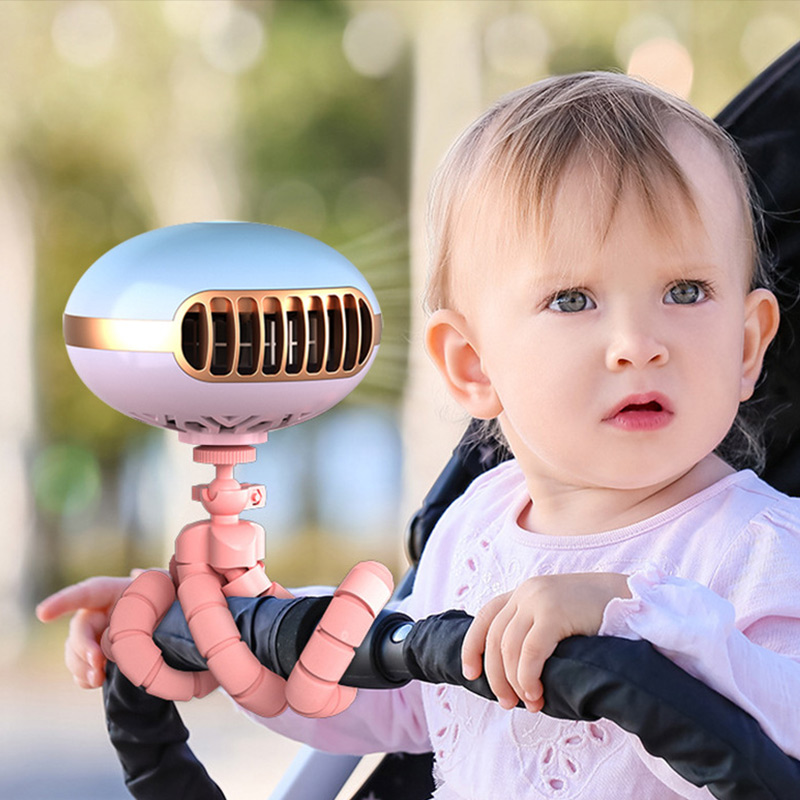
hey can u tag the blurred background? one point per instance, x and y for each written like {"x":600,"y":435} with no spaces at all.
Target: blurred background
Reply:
{"x":326,"y":116}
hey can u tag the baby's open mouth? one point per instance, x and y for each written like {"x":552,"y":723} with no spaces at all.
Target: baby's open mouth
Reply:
{"x":643,"y":412}
{"x":653,"y":405}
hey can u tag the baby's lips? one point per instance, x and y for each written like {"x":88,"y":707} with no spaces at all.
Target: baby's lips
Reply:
{"x":655,"y":400}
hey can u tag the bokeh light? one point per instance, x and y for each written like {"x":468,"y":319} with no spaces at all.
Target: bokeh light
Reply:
{"x":373,"y":42}
{"x":233,"y":42}
{"x":231,"y":37}
{"x":665,"y":63}
{"x":638,"y":29}
{"x":518,"y":45}
{"x":84,"y":33}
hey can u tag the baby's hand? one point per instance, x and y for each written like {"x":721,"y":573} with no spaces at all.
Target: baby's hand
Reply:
{"x":90,"y":602}
{"x":518,"y":631}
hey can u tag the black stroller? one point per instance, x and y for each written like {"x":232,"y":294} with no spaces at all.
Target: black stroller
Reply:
{"x":703,"y":736}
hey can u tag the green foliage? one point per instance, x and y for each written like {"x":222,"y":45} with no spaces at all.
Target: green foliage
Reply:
{"x":85,"y":207}
{"x":66,"y":480}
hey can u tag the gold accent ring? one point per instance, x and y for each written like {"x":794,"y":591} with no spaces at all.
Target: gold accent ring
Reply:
{"x":142,"y":335}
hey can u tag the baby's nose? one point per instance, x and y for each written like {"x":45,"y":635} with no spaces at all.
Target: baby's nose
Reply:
{"x":636,"y":346}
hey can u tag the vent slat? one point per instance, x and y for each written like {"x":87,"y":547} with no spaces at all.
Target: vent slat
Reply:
{"x":273,"y":343}
{"x":194,"y":336}
{"x":365,"y":318}
{"x":210,"y":338}
{"x":248,"y":343}
{"x":315,"y":318}
{"x":295,"y":341}
{"x":351,"y":333}
{"x":335,"y":334}
{"x":224,"y":335}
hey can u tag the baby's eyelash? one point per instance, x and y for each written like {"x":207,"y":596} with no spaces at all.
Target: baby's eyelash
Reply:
{"x":706,"y":286}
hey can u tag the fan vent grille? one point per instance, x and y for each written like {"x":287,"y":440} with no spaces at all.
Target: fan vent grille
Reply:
{"x":265,"y":336}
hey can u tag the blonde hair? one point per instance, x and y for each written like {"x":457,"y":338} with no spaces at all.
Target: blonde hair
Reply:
{"x":516,"y":154}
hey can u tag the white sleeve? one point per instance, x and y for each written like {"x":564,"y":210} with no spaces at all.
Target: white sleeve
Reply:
{"x":378,"y":721}
{"x":696,"y":628}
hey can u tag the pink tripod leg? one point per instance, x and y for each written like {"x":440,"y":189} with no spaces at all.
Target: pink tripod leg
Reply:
{"x":217,"y":638}
{"x":128,"y":641}
{"x":313,"y":688}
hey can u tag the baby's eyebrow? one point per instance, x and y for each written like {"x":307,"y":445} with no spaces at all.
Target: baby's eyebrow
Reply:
{"x":563,"y":277}
{"x":693,"y":269}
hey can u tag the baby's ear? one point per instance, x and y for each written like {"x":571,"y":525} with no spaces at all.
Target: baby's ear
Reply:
{"x":761,"y":318}
{"x":450,"y":345}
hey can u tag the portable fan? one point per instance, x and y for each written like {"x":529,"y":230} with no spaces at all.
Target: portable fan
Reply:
{"x":224,"y":331}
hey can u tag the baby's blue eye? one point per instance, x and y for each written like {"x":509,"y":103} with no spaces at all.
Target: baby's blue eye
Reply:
{"x":571,"y":301}
{"x":685,"y":293}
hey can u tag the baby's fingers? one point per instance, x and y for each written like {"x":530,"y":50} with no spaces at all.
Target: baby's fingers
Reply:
{"x":536,"y":648}
{"x":514,"y":656}
{"x":82,"y":653}
{"x":94,"y":593}
{"x":474,"y":643}
{"x":501,"y":659}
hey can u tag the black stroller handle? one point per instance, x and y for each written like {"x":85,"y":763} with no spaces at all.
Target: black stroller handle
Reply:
{"x":704,"y":737}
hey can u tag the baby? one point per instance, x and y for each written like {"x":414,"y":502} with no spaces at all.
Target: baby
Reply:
{"x":597,"y":289}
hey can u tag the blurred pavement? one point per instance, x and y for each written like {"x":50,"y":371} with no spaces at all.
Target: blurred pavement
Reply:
{"x":53,"y":743}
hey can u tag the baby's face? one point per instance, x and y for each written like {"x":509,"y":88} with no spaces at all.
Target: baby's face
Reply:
{"x":618,"y":360}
